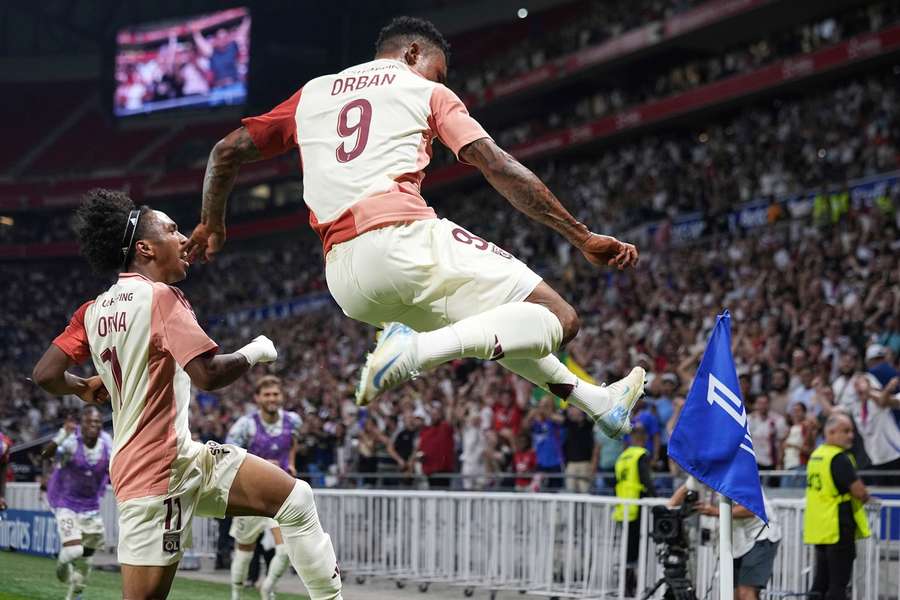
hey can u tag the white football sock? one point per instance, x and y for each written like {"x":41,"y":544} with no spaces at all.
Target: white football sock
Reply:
{"x":240,"y":567}
{"x":69,"y":553}
{"x":277,"y":566}
{"x":82,"y":566}
{"x":550,"y":374}
{"x":514,"y":330}
{"x":309,"y":547}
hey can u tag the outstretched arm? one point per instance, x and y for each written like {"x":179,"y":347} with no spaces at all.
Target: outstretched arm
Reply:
{"x":211,"y":372}
{"x":222,"y":168}
{"x":526,"y":192}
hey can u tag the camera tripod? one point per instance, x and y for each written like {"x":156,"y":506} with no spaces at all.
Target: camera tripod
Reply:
{"x":677,"y":588}
{"x":675,"y":574}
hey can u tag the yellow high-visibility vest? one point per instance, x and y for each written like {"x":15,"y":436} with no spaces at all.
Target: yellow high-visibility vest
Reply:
{"x":820,"y":520}
{"x":628,"y":481}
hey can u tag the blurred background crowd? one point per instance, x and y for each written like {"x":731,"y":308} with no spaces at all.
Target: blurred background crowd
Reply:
{"x":814,"y":292}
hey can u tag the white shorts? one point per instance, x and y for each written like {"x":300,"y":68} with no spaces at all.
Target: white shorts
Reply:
{"x":245,"y":530}
{"x":84,"y":526}
{"x":155,"y":530}
{"x":425,"y":274}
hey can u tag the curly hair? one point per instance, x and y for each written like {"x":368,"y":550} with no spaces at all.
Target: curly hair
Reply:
{"x":99,"y":226}
{"x":410,"y":28}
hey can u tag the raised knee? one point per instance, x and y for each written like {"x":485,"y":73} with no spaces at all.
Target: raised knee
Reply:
{"x":296,"y":504}
{"x":570,"y":322}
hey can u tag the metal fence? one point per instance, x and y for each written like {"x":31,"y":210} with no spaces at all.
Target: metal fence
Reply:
{"x":563,"y":545}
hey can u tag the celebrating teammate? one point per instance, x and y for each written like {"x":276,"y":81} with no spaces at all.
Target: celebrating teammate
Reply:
{"x":270,"y":433}
{"x":147,"y":347}
{"x":74,"y":491}
{"x":364,"y":137}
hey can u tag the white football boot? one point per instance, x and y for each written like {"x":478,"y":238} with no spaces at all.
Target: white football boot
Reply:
{"x":393,"y":361}
{"x":616,"y":422}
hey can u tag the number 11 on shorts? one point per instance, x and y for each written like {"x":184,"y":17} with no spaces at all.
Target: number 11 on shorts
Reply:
{"x":171,"y":504}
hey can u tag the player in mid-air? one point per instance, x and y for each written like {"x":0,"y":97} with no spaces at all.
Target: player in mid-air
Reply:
{"x":74,"y":491}
{"x":147,"y":347}
{"x":364,"y":138}
{"x":270,"y":433}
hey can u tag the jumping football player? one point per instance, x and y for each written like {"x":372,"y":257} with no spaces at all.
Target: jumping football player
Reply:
{"x":145,"y":343}
{"x":364,"y":138}
{"x":270,"y":433}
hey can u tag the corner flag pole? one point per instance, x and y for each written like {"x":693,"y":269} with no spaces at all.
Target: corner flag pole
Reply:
{"x":726,"y":554}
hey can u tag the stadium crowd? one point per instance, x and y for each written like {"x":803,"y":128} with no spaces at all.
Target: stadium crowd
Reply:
{"x":595,"y":23}
{"x":816,"y":305}
{"x":741,"y":58}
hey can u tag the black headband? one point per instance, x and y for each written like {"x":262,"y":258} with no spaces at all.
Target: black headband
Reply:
{"x":131,"y":226}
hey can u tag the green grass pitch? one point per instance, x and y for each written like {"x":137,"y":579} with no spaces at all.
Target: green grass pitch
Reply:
{"x":25,"y":577}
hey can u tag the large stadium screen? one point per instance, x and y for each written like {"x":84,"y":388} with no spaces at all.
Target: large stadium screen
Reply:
{"x":190,"y":62}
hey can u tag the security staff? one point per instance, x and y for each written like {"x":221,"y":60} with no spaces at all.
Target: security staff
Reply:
{"x":834,"y":517}
{"x":633,"y":481}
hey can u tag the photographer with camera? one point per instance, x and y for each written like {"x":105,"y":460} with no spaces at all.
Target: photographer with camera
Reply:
{"x":754,"y":545}
{"x":633,"y":481}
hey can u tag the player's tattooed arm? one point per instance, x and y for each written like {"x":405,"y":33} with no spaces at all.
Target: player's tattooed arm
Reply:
{"x":523,"y":189}
{"x":222,"y":169}
{"x":527,"y":193}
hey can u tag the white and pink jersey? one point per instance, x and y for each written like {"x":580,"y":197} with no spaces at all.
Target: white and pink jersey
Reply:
{"x":364,"y":137}
{"x":140,"y":334}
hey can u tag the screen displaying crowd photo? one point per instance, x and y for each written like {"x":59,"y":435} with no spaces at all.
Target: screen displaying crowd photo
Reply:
{"x":191,"y":62}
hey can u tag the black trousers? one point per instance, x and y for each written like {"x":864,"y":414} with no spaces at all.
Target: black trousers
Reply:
{"x":834,"y":567}
{"x":634,"y":538}
{"x":224,"y":544}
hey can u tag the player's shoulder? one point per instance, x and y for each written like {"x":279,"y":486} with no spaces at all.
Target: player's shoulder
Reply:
{"x":243,"y":422}
{"x":168,"y":296}
{"x":293,"y":417}
{"x":106,"y":438}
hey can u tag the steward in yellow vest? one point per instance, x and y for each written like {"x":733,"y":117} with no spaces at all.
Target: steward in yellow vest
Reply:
{"x":628,"y":481}
{"x":834,"y":517}
{"x":633,"y":481}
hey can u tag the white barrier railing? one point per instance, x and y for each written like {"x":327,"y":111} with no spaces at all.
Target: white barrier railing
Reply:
{"x":563,"y":545}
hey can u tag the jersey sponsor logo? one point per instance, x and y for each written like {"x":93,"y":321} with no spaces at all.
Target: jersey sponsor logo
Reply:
{"x":122,"y":297}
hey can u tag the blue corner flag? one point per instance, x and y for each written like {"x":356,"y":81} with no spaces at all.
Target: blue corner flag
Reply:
{"x":711,"y":440}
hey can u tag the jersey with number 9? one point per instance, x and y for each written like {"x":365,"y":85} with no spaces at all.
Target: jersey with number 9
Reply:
{"x":364,"y":136}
